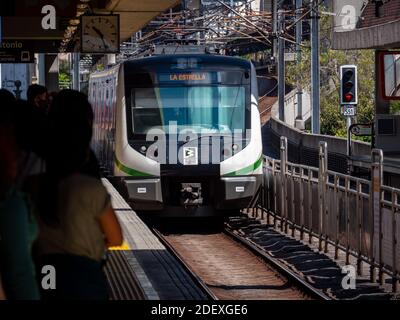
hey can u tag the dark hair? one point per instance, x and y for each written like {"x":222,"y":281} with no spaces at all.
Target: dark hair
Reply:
{"x":33,"y":91}
{"x":7,"y":138}
{"x":7,"y":107}
{"x":70,"y":120}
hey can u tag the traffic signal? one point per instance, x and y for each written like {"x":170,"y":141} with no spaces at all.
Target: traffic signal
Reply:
{"x":348,"y":84}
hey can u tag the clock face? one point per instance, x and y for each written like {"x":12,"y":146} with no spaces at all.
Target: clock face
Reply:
{"x":100,"y":34}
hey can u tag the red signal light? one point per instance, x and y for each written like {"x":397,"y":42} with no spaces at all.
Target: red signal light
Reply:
{"x":348,"y":97}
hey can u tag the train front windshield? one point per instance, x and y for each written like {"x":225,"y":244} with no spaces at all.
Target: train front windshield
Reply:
{"x":204,"y":102}
{"x":203,"y":109}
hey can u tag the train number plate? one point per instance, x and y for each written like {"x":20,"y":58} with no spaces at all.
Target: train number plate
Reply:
{"x":190,"y":156}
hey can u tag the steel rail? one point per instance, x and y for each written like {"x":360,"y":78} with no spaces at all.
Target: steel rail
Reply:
{"x":292,"y":276}
{"x":203,"y":286}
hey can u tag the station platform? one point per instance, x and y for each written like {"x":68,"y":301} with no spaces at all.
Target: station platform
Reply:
{"x":142,"y":268}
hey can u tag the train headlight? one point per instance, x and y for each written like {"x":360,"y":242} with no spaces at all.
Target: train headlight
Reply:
{"x":235,"y":147}
{"x":143,"y":149}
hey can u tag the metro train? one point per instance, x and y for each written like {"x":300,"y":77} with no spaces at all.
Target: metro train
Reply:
{"x":180,"y":134}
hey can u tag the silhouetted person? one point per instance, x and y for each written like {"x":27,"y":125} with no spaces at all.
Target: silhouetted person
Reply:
{"x":37,"y":96}
{"x":6,"y":98}
{"x":18,"y":228}
{"x":31,"y":132}
{"x":77,"y":220}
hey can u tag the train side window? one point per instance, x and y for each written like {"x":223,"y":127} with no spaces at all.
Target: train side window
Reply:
{"x":107,"y":107}
{"x":112,"y":106}
{"x":96,"y":101}
{"x":101,"y":105}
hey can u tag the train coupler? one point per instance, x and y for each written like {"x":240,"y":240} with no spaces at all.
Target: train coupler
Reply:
{"x":191,"y":194}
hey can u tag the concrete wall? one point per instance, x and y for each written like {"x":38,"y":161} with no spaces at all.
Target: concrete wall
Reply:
{"x":335,"y":144}
{"x":291,"y":107}
{"x":303,"y":147}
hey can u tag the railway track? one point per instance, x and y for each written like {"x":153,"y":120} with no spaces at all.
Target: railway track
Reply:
{"x":227,"y":266}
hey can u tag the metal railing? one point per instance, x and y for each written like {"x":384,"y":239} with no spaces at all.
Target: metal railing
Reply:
{"x":355,"y":215}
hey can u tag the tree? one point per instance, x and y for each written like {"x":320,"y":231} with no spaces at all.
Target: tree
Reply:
{"x":331,"y":120}
{"x":64,"y":75}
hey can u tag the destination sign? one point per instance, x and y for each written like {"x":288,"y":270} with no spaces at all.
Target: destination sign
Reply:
{"x":203,"y":77}
{"x":189,"y":77}
{"x":193,"y":77}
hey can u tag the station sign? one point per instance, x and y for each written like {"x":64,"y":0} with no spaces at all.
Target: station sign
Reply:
{"x":22,"y":51}
{"x":38,"y":24}
{"x":346,"y":14}
{"x":360,"y":129}
{"x":15,"y":52}
{"x":29,"y":8}
{"x":30,"y":28}
{"x":23,"y":56}
{"x":348,"y":110}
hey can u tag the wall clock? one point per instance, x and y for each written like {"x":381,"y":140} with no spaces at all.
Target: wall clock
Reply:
{"x":100,"y":33}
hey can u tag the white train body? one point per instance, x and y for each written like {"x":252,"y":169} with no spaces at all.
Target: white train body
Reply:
{"x":180,"y":133}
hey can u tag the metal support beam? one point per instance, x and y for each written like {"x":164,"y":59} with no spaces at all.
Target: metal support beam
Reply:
{"x":281,"y":68}
{"x":299,"y":31}
{"x":41,"y":69}
{"x":315,"y":86}
{"x":75,"y":71}
{"x":275,"y":27}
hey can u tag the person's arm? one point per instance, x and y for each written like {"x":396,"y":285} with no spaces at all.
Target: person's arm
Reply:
{"x":2,"y":294}
{"x":111,"y":227}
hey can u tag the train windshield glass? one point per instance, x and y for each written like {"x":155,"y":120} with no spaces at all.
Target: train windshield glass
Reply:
{"x":203,"y":109}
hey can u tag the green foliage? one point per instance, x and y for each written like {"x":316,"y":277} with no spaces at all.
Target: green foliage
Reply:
{"x":395,"y":107}
{"x":64,"y":76}
{"x":64,"y":79}
{"x":332,"y":122}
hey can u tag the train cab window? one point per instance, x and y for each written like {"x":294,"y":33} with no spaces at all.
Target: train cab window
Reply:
{"x":205,"y":109}
{"x":145,"y":109}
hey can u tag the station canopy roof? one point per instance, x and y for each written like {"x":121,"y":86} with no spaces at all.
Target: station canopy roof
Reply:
{"x":135,"y":14}
{"x":18,"y":14}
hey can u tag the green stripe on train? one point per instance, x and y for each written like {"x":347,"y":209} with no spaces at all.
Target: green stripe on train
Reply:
{"x":246,"y":170}
{"x":130,"y":171}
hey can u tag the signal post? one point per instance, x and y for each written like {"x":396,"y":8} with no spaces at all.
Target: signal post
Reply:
{"x":348,"y":97}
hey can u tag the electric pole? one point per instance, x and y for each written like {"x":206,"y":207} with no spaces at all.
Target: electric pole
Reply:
{"x":275,"y":28}
{"x":299,"y":31}
{"x":315,"y":128}
{"x":281,"y":66}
